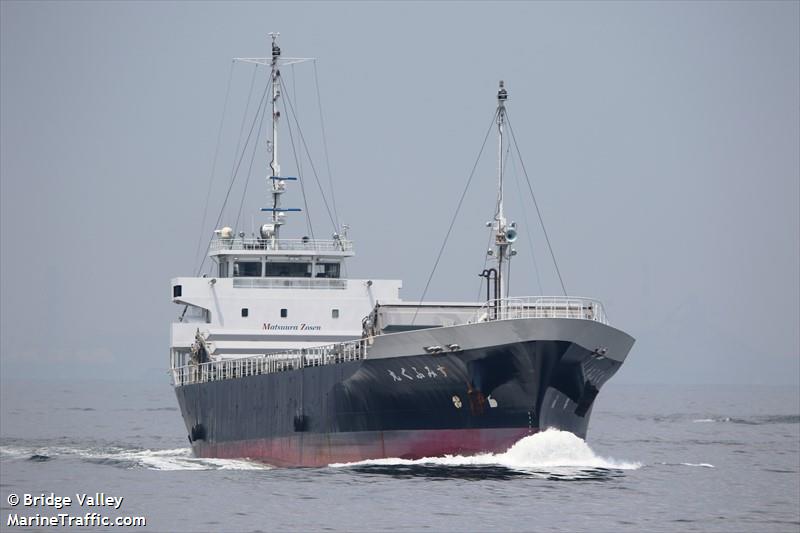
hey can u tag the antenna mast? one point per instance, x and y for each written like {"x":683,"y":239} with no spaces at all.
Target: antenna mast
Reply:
{"x":502,"y":96}
{"x":270,"y":231}
{"x":278,"y":185}
{"x":505,"y":233}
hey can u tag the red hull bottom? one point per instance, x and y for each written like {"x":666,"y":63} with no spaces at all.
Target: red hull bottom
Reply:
{"x":316,"y":449}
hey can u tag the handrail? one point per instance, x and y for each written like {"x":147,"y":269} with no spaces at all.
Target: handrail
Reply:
{"x":253,"y":243}
{"x":502,"y":309}
{"x":289,"y":283}
{"x":575,"y":307}
{"x":269,"y":363}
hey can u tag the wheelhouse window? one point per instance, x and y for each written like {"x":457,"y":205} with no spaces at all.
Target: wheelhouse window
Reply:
{"x":288,"y":270}
{"x":246,"y":269}
{"x":177,"y":290}
{"x":327,"y":270}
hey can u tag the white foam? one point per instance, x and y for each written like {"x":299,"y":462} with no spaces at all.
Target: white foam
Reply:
{"x":181,"y":459}
{"x":174,"y":459}
{"x":704,"y":465}
{"x":706,"y":420}
{"x":14,"y":451}
{"x":547,"y":449}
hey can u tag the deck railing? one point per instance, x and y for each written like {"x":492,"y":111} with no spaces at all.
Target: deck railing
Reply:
{"x":289,"y":283}
{"x":253,"y":243}
{"x":542,"y":307}
{"x":505,"y":309}
{"x":270,"y":363}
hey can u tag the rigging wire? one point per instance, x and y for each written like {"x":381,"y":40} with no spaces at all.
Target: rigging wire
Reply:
{"x":250,"y":168}
{"x":309,"y":225}
{"x":325,"y":145}
{"x":327,"y":157}
{"x":527,"y":226}
{"x":310,"y":160}
{"x":491,"y":230}
{"x":508,"y":277}
{"x":299,"y":162}
{"x":535,"y":203}
{"x":244,"y":118}
{"x":235,"y":174}
{"x":510,"y":256}
{"x":214,"y":163}
{"x":485,"y":262}
{"x":455,"y":215}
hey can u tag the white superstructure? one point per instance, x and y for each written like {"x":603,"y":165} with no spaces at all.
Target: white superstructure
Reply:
{"x":271,"y":296}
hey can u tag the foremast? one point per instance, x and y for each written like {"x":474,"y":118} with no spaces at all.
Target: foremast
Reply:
{"x":504,"y":233}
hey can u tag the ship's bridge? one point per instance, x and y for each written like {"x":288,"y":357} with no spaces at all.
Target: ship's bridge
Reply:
{"x":240,"y":256}
{"x":266,"y":294}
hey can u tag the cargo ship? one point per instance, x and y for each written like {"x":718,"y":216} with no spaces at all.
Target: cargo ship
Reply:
{"x":278,"y":357}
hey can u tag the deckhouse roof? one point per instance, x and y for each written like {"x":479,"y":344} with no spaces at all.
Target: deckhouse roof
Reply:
{"x":239,"y":246}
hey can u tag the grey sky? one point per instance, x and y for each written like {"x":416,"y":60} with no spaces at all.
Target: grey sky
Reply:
{"x":662,"y":140}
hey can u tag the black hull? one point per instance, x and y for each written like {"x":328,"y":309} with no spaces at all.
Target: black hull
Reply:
{"x":480,"y":400}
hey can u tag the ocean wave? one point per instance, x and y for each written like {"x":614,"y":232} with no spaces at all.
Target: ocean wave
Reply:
{"x":701,"y":465}
{"x":14,"y":452}
{"x":122,"y":457}
{"x":177,"y":459}
{"x":752,"y":420}
{"x":549,"y":451}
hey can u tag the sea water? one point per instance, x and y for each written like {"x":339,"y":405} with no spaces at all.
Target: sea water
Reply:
{"x":657,"y":458}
